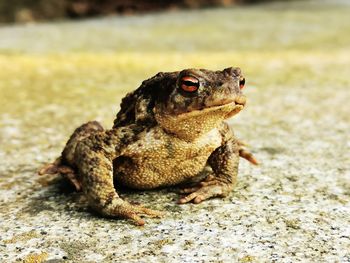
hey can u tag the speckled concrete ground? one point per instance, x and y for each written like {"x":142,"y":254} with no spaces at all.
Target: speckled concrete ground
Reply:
{"x":293,"y":208}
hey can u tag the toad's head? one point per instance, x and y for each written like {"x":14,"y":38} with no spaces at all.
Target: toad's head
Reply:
{"x":198,"y":100}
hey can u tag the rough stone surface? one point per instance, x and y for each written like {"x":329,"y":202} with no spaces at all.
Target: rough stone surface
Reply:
{"x":295,"y":207}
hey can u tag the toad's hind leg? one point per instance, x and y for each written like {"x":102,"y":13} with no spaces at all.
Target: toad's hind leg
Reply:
{"x":78,"y":135}
{"x":65,"y":164}
{"x":58,"y":167}
{"x":244,"y":153}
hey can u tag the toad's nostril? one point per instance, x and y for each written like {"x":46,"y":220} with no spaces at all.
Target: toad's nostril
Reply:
{"x":241,"y":100}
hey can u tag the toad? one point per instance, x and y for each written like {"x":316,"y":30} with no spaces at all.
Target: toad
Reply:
{"x":166,"y":133}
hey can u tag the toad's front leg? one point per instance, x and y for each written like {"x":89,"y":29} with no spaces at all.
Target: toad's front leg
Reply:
{"x":224,"y":162}
{"x":94,"y":159}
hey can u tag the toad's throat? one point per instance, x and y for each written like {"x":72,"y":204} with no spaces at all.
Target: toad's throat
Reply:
{"x":194,"y":124}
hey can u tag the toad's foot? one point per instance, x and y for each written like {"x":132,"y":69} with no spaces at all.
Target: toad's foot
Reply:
{"x":133,"y":212}
{"x":58,"y":168}
{"x":244,"y":153}
{"x":210,"y":187}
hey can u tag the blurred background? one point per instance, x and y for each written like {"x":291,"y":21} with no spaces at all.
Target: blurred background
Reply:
{"x":65,"y":62}
{"x":34,"y":10}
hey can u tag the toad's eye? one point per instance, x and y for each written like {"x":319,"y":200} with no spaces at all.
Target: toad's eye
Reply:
{"x":189,"y":84}
{"x":241,"y":83}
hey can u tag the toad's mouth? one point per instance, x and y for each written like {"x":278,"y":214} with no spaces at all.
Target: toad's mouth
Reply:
{"x":227,"y":108}
{"x":238,"y":100}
